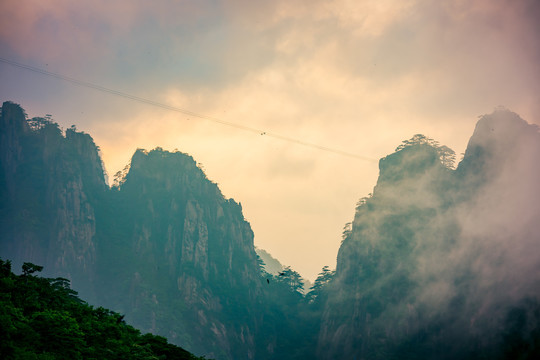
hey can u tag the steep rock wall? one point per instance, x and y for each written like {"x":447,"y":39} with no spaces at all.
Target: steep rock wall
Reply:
{"x":184,"y":235}
{"x":50,"y":185}
{"x":438,"y":260}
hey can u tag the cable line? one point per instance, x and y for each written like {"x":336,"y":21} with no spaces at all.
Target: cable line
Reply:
{"x":183,"y":111}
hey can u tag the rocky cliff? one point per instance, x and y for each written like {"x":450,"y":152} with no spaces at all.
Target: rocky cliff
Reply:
{"x":49,"y":187}
{"x":437,"y":260}
{"x":439,"y":263}
{"x":187,"y":260}
{"x":164,"y":246}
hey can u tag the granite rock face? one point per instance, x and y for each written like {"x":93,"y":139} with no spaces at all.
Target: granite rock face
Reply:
{"x":196,"y":244}
{"x":438,"y":261}
{"x":50,"y":185}
{"x":165,"y":247}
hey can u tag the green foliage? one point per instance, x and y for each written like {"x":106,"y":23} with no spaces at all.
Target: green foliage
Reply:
{"x":120,"y":177}
{"x":447,"y":156}
{"x":320,"y":286}
{"x":291,"y":279}
{"x":417,"y":139}
{"x":291,"y":326}
{"x":38,"y":123}
{"x":42,"y":318}
{"x":29,"y":268}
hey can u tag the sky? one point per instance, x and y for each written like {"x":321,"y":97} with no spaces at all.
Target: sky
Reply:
{"x":354,"y":76}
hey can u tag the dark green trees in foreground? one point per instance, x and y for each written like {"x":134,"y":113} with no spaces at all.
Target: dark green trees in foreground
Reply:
{"x":42,"y":318}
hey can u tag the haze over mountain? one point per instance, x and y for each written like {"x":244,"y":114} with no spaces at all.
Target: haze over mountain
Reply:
{"x":439,"y":262}
{"x":442,"y":263}
{"x":357,"y":76}
{"x":271,"y":264}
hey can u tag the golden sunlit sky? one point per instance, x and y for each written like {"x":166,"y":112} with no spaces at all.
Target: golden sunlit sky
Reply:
{"x":356,"y":76}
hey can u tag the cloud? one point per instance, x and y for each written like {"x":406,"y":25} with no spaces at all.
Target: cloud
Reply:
{"x":492,"y":261}
{"x":438,"y":257}
{"x":357,"y":76}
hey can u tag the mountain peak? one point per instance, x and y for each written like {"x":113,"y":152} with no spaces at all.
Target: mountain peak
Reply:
{"x":502,"y":126}
{"x":13,"y":116}
{"x":408,"y":162}
{"x":499,"y":139}
{"x":162,"y":169}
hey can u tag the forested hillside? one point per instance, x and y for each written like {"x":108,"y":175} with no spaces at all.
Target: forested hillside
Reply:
{"x":43,"y":318}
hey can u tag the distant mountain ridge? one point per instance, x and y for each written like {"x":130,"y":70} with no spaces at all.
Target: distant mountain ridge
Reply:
{"x":274,"y":267}
{"x":271,"y":264}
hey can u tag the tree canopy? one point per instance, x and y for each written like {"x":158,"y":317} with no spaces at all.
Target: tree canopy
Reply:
{"x":43,"y":318}
{"x":447,"y":156}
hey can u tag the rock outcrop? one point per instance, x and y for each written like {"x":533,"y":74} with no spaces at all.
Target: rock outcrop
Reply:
{"x":437,"y":260}
{"x":175,"y":229}
{"x":164,"y":247}
{"x":50,"y":185}
{"x":439,"y":263}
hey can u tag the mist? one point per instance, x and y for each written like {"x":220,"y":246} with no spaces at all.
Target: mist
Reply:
{"x":443,"y":252}
{"x":357,"y":76}
{"x":437,"y":260}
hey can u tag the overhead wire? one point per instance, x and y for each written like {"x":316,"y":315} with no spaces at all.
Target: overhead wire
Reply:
{"x":142,"y":100}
